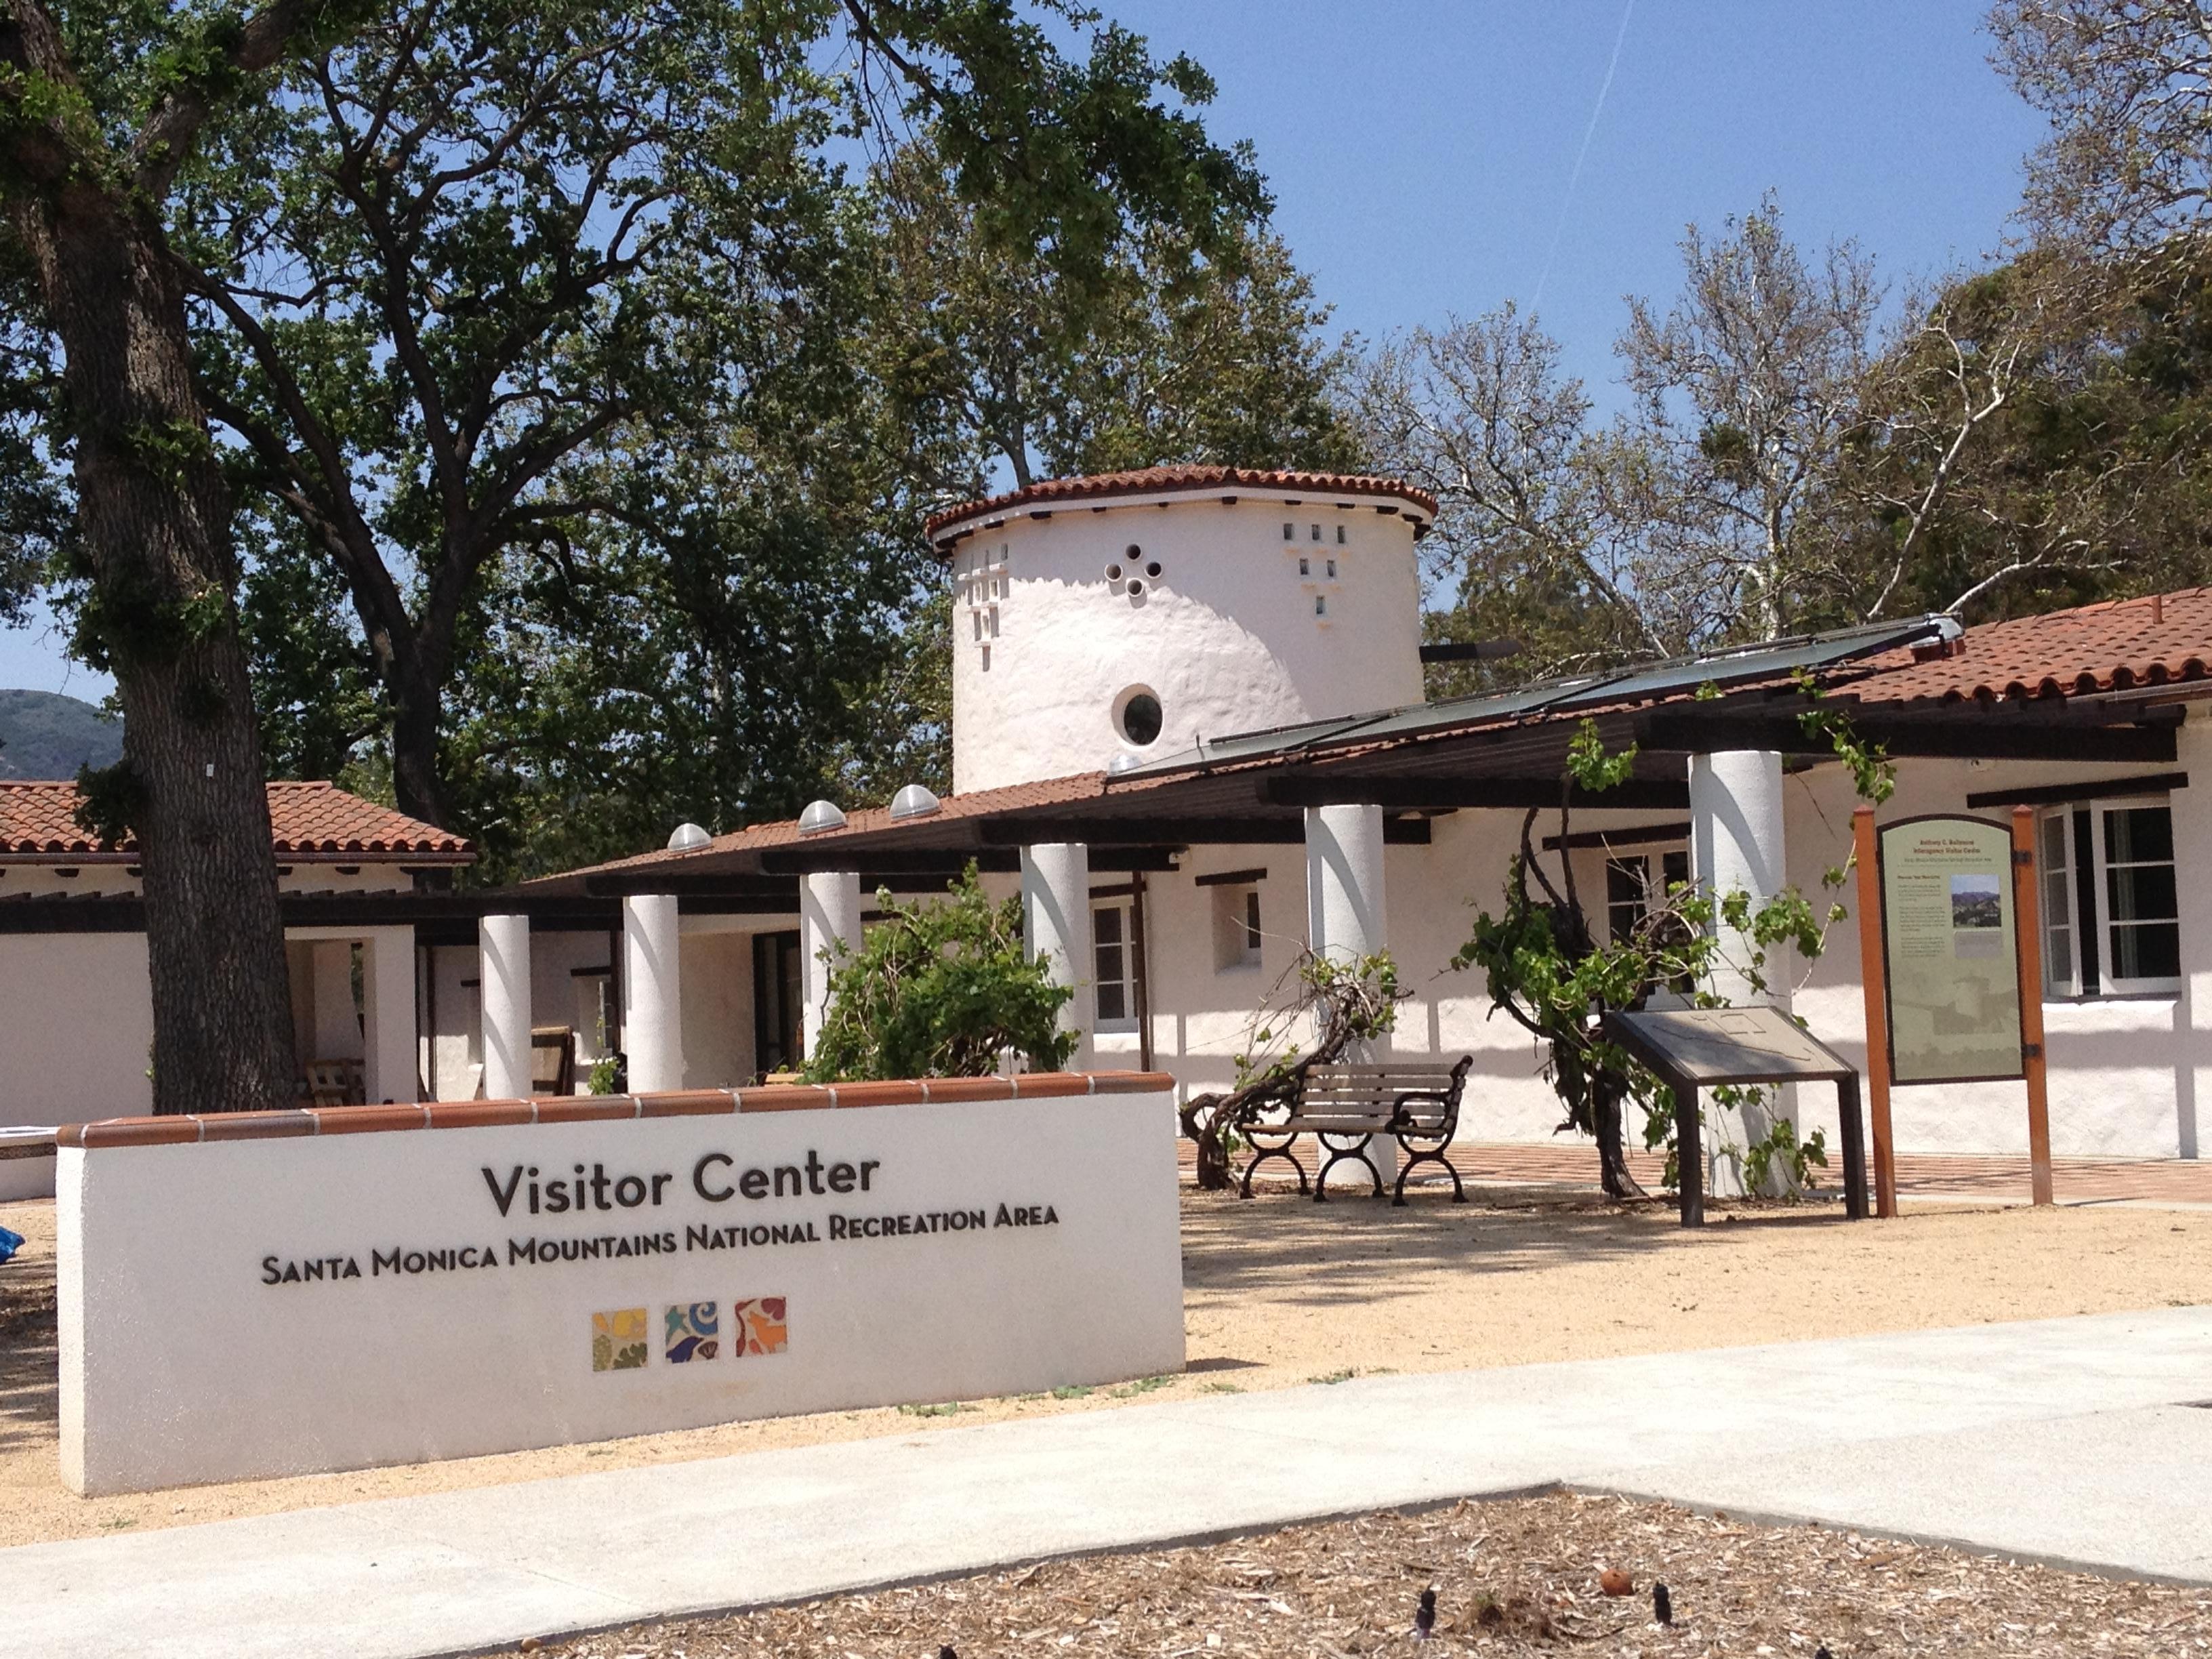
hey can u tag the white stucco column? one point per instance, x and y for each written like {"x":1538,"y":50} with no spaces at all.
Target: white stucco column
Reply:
{"x":503,"y":954}
{"x":652,"y":993}
{"x":391,"y":1068}
{"x":1736,"y":843}
{"x":2192,"y":1012}
{"x":1056,"y":925}
{"x":829,"y":915}
{"x":1345,"y":914}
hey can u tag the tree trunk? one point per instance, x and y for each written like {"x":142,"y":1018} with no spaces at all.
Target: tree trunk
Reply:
{"x":417,"y":710}
{"x":155,"y":518}
{"x":1612,"y":1156}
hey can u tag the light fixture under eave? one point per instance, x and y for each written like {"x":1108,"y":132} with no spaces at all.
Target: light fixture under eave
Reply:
{"x":819,"y":816}
{"x":688,"y":838}
{"x":1124,"y":762}
{"x":914,"y":801}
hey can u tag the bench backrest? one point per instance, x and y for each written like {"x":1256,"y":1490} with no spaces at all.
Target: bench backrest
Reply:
{"x":1381,"y":1088}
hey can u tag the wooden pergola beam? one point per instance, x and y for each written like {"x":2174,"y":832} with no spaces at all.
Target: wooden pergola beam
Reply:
{"x":1454,"y":794}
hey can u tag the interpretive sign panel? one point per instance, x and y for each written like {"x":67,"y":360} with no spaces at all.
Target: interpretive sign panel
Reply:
{"x":1708,"y":1046}
{"x":1954,"y":973}
{"x":369,"y":1286}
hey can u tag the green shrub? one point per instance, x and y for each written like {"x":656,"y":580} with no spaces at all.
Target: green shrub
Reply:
{"x":939,"y":989}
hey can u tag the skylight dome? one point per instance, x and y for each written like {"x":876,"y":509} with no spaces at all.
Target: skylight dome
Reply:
{"x":914,"y":801}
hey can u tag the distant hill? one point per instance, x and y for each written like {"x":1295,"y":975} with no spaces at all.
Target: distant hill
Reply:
{"x":46,"y":735}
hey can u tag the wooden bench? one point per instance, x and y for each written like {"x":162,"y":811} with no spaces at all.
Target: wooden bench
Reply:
{"x":1344,"y":1108}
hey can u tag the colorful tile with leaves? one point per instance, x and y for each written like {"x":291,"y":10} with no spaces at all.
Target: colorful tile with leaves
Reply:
{"x":619,"y":1340}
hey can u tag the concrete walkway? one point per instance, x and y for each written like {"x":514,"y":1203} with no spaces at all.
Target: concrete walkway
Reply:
{"x":2070,"y":1440}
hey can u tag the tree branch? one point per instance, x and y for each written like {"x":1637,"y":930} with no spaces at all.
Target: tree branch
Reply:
{"x":266,"y":40}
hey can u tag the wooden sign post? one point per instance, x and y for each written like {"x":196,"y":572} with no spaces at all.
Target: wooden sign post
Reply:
{"x":2024,"y":907}
{"x":1944,"y":1011}
{"x":1871,"y":979}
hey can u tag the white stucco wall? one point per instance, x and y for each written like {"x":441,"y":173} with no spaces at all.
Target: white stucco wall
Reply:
{"x":75,"y":1037}
{"x":718,"y":1003}
{"x":1226,"y":636}
{"x":453,"y":1060}
{"x":2126,"y":1074}
{"x":76,"y":1019}
{"x":2123,"y":1071}
{"x":185,"y":1366}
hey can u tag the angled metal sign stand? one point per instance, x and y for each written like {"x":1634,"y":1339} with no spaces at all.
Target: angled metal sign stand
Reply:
{"x":1693,"y":1048}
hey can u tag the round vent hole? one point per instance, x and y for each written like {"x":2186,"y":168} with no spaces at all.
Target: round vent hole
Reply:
{"x":1140,"y":717}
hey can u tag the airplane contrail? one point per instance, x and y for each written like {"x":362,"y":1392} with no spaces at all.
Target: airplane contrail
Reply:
{"x":1582,"y":155}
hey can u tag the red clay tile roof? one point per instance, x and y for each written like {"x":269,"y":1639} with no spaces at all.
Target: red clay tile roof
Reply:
{"x":315,"y":822}
{"x":2112,"y":646}
{"x":1166,"y":480}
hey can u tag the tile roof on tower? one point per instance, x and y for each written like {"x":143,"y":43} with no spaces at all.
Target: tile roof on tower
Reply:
{"x":1174,"y":480}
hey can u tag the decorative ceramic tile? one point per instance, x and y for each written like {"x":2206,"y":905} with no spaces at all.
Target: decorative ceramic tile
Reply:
{"x":691,"y":1331}
{"x":757,"y":1325}
{"x":619,"y":1340}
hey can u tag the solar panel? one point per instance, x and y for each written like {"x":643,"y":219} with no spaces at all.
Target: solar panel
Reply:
{"x":1769,"y":660}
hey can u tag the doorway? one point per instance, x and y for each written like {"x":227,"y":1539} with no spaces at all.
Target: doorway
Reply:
{"x":777,"y":995}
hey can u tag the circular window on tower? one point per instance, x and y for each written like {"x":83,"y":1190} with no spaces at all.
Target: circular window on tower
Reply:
{"x":1137,"y":715}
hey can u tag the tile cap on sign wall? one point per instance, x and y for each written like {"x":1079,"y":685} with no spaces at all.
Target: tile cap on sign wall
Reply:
{"x":186,"y":1130}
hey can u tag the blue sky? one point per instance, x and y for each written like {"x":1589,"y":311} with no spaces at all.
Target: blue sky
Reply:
{"x":1420,"y":154}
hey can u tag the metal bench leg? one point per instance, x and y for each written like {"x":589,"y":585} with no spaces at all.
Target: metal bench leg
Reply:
{"x":1435,"y":1155}
{"x":1338,"y":1155}
{"x":1261,"y":1155}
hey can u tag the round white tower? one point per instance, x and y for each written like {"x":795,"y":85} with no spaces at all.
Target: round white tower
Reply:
{"x":1133,"y":613}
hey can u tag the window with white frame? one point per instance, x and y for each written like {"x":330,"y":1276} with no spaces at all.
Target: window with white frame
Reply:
{"x":2110,"y":903}
{"x":1635,"y":884}
{"x":1113,"y":965}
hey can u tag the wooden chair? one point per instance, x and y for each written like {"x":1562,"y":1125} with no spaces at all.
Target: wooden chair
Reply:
{"x":552,"y":1059}
{"x":337,"y":1083}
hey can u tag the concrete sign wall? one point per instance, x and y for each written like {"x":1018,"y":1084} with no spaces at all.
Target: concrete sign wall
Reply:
{"x":273,"y":1293}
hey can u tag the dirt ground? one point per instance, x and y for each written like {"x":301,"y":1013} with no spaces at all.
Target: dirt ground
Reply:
{"x":1279,"y":1292}
{"x":1511,"y":1578}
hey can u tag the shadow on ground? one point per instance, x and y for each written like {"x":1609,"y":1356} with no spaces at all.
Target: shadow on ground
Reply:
{"x":30,"y":1391}
{"x":1289,"y":1248}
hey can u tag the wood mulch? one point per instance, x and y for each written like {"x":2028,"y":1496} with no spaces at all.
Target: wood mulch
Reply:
{"x":1513,"y":1577}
